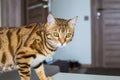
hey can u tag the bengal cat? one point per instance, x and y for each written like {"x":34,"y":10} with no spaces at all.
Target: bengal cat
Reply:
{"x":28,"y":46}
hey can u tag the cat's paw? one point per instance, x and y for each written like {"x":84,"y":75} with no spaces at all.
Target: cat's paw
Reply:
{"x":46,"y":78}
{"x":49,"y":78}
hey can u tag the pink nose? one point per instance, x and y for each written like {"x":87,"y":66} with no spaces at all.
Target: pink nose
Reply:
{"x":61,"y":41}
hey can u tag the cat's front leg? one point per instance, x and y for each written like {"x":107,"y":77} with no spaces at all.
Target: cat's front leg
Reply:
{"x":24,"y":71}
{"x":24,"y":68}
{"x":40,"y":72}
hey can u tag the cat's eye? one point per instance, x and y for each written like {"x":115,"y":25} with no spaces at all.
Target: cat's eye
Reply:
{"x":68,"y":35}
{"x":56,"y":34}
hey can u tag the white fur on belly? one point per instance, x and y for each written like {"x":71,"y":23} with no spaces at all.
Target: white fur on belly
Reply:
{"x":37,"y":60}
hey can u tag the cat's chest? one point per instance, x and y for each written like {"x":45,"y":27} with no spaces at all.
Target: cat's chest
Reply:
{"x":37,"y":60}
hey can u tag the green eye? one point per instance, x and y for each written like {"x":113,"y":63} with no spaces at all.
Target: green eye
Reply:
{"x":56,"y":34}
{"x":68,"y":35}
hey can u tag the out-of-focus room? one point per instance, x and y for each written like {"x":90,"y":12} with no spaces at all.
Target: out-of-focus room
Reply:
{"x":95,"y":48}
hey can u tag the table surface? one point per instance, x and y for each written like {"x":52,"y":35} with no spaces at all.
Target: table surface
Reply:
{"x":71,"y":76}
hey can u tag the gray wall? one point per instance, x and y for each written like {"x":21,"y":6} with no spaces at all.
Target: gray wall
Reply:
{"x":11,"y":12}
{"x":80,"y":48}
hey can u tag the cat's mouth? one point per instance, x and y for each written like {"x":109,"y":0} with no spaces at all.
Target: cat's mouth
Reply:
{"x":61,"y":45}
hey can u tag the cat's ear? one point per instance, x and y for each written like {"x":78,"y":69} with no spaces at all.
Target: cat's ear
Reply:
{"x":50,"y":20}
{"x":73,"y":21}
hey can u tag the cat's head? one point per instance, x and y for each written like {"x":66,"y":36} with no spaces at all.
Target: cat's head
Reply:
{"x":60,"y":31}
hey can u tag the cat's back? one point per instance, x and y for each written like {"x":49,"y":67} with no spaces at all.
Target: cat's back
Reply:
{"x":21,"y":30}
{"x":13,"y":35}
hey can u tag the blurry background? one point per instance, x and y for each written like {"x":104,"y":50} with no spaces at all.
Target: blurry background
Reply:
{"x":96,"y":44}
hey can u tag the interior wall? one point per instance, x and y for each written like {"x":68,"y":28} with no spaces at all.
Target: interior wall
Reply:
{"x":11,"y":13}
{"x":80,"y":48}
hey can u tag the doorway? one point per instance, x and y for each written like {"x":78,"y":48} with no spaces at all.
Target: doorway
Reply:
{"x":36,"y":11}
{"x":106,"y":33}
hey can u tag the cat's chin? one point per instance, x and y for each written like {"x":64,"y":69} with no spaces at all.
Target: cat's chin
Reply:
{"x":60,"y":46}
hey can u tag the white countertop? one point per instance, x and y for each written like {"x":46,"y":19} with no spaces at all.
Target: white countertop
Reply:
{"x":71,"y":76}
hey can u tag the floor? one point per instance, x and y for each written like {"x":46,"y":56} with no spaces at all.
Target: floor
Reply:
{"x":99,"y":71}
{"x":69,"y":76}
{"x":103,"y":71}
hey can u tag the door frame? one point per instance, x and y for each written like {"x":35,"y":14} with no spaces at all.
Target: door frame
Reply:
{"x":96,"y":31}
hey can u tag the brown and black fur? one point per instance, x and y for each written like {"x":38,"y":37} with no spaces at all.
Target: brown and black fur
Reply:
{"x":21,"y":46}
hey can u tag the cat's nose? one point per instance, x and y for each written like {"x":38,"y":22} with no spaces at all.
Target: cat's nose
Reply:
{"x":62,"y":41}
